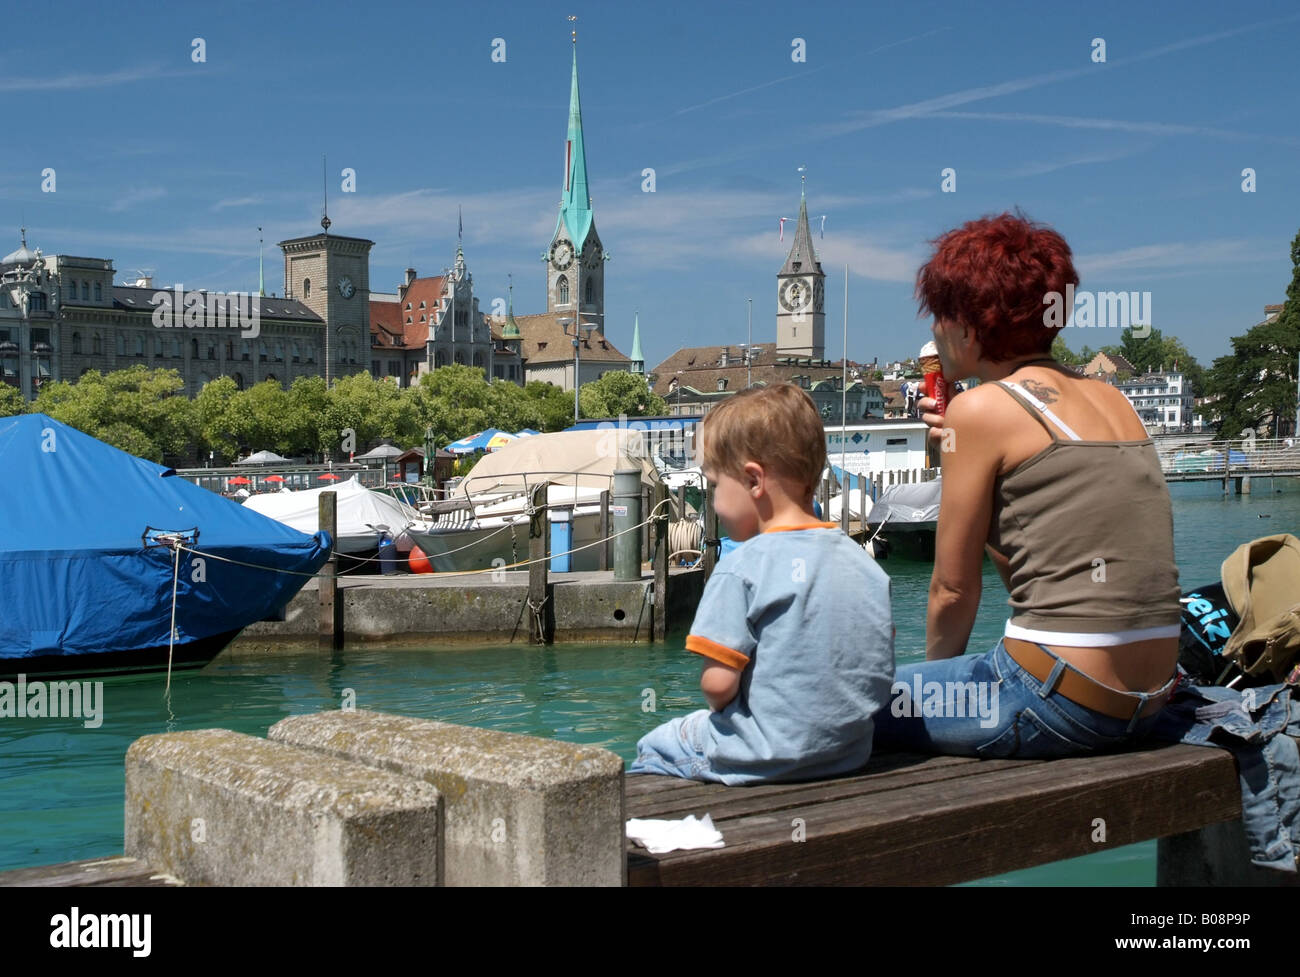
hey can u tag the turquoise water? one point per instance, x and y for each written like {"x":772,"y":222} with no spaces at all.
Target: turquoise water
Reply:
{"x":61,"y":785}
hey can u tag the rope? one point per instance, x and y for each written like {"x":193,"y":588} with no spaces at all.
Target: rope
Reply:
{"x":171,"y":633}
{"x":536,"y":608}
{"x":447,"y":573}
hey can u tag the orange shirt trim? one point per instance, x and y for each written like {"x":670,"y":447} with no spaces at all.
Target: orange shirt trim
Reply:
{"x":719,"y":653}
{"x":806,"y":525}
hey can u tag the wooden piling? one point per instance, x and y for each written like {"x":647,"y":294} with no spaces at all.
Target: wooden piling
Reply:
{"x":710,"y":557}
{"x":330,"y":626}
{"x":539,"y":611}
{"x":658,"y":619}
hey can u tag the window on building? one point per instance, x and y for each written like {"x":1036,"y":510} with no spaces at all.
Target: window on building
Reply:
{"x":374,"y":369}
{"x":157,"y":347}
{"x":121,"y":344}
{"x":244,"y":350}
{"x":76,"y":342}
{"x":85,"y":291}
{"x":194,"y":349}
{"x":460,"y":358}
{"x":99,"y":292}
{"x":97,"y":344}
{"x":230,"y":349}
{"x":306,"y":287}
{"x":72,"y":291}
{"x":587,"y":292}
{"x":139,"y":344}
{"x":562,"y":291}
{"x":394,"y":368}
{"x":439,"y":359}
{"x":38,"y":302}
{"x":176,"y":349}
{"x":212,"y":350}
{"x":297,"y":353}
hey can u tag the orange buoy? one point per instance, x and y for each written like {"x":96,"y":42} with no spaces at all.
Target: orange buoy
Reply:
{"x":418,"y":561}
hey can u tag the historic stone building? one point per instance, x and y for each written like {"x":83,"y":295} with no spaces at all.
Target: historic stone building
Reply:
{"x":801,"y":296}
{"x":330,"y":274}
{"x":61,"y":316}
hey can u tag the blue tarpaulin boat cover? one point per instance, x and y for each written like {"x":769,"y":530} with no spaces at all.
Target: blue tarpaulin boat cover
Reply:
{"x":80,"y":572}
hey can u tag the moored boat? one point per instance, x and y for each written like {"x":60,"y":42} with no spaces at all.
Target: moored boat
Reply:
{"x":99,"y":549}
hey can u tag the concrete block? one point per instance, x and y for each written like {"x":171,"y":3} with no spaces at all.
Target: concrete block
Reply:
{"x":214,"y":807}
{"x":518,"y":810}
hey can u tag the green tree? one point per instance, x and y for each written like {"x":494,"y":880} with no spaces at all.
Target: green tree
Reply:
{"x":619,"y":393}
{"x":1255,"y":385}
{"x":11,"y":401}
{"x":216,"y":420}
{"x":1063,"y":354}
{"x":139,"y":410}
{"x":1159,"y":352}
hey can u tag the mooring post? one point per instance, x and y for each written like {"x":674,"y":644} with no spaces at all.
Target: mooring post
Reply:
{"x":627,"y":516}
{"x":330,"y":626}
{"x":844,"y":503}
{"x":710,"y":533}
{"x":539,"y":611}
{"x":604,"y":529}
{"x":658,"y":617}
{"x":645,"y":530}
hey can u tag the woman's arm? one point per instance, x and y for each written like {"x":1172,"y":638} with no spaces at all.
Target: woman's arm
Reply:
{"x":970,"y":465}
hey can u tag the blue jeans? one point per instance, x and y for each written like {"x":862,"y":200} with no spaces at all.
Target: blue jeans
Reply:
{"x":675,"y":749}
{"x":988,"y":706}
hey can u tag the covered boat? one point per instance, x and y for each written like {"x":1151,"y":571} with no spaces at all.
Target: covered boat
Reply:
{"x":488,"y":520}
{"x":87,"y":572}
{"x":362,"y":516}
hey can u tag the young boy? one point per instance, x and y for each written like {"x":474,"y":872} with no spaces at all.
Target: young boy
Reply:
{"x":794,"y":625}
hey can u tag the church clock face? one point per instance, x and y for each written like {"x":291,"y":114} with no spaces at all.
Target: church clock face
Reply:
{"x":794,"y":295}
{"x":591,"y":257}
{"x":346,"y":288}
{"x":819,"y":295}
{"x":562,"y":254}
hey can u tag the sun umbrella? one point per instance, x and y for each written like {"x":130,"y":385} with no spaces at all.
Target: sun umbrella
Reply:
{"x":240,"y":480}
{"x":328,"y":477}
{"x":275,"y":478}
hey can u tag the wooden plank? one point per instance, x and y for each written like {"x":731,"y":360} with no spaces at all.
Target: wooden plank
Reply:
{"x":931,"y":834}
{"x":119,"y":871}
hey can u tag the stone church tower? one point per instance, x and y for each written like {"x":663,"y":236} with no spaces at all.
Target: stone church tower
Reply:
{"x":575,"y":259}
{"x":801,"y":297}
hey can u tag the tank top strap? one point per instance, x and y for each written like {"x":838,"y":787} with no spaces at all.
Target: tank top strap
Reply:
{"x":1038,"y":411}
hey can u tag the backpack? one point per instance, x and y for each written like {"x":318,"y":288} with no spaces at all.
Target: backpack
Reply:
{"x":1261,"y":580}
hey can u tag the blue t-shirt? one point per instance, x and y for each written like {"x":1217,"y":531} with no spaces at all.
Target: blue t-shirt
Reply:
{"x":806,"y":613}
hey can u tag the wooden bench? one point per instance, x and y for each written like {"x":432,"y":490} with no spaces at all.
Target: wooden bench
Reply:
{"x":919,"y":820}
{"x":914,"y":820}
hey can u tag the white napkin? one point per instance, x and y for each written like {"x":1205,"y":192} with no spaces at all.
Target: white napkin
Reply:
{"x":658,"y":837}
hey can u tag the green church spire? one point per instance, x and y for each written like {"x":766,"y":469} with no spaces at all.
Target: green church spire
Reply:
{"x":575,"y":205}
{"x":511,"y":329}
{"x":638,"y":361}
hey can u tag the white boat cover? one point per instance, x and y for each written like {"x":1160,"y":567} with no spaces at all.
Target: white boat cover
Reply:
{"x":911,"y":503}
{"x":358,"y":509}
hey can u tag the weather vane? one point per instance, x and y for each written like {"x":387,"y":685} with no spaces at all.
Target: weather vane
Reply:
{"x":574,"y":20}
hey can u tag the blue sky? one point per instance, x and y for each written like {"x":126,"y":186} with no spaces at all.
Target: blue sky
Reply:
{"x":168,"y":165}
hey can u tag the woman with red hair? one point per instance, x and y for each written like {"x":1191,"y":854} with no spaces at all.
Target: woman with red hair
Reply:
{"x":1055,"y":477}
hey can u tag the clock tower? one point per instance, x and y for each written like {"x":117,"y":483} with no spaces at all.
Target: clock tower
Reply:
{"x":801,"y":297}
{"x":575,"y":259}
{"x":331,"y":276}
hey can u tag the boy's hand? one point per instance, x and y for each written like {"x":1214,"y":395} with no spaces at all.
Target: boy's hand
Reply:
{"x":719,"y":683}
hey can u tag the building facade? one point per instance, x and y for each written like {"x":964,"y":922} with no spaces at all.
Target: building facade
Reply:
{"x":1162,"y":400}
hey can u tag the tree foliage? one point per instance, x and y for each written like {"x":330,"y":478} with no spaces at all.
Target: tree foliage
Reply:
{"x":620,"y":393}
{"x":1256,"y":383}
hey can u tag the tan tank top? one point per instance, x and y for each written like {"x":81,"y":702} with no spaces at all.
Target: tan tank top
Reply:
{"x":1087,"y":528}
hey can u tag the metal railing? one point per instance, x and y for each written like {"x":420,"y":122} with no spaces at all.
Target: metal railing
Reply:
{"x":1243,"y":456}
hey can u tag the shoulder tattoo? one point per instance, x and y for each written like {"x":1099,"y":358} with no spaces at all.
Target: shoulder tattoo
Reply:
{"x":1043,"y":391}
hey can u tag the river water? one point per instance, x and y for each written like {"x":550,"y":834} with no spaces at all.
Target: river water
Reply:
{"x":61,"y":784}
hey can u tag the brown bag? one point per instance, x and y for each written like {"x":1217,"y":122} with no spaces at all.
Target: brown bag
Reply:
{"x":1262,"y":581}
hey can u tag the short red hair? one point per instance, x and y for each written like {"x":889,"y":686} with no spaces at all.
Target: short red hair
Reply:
{"x":993,"y":275}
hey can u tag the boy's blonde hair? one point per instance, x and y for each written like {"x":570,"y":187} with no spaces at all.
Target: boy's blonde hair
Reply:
{"x":777,"y":426}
